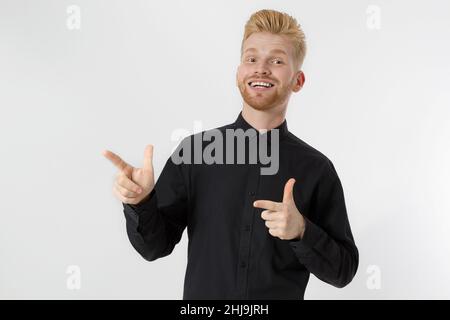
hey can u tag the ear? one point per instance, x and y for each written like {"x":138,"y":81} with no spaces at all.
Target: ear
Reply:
{"x":299,"y":81}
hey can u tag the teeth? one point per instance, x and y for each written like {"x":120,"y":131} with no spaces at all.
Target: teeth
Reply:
{"x":265,"y":84}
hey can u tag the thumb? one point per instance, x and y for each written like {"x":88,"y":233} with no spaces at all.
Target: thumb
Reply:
{"x":148,"y":157}
{"x":288,"y":194}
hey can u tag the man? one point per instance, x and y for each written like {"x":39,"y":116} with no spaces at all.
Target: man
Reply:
{"x":251,"y":235}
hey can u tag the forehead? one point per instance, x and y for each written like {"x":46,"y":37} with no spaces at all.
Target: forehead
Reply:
{"x":266,"y":42}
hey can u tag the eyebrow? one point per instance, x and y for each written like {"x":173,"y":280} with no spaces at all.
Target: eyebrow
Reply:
{"x":272,"y":51}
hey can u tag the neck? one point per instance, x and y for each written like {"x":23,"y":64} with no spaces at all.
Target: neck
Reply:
{"x":263,"y":119}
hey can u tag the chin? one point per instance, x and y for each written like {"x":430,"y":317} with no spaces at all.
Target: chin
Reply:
{"x":258,"y":103}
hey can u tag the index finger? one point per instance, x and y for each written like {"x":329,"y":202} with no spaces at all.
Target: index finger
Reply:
{"x":115,"y":159}
{"x":267,"y":204}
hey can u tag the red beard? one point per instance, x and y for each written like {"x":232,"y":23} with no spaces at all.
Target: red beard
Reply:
{"x":263,"y":100}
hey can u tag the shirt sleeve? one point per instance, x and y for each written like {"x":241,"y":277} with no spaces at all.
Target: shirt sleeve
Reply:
{"x":327,"y":248}
{"x":156,"y":225}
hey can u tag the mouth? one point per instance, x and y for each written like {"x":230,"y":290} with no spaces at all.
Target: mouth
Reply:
{"x":260,"y":85}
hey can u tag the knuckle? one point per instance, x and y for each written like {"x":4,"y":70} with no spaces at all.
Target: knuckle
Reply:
{"x":126,"y":193}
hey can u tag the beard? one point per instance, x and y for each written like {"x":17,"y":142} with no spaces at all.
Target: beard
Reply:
{"x":264,"y":100}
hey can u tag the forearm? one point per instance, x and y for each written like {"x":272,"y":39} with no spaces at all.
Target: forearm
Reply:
{"x":147,"y":230}
{"x":332,"y":261}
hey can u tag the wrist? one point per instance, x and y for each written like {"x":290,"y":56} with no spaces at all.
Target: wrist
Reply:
{"x":144,"y":199}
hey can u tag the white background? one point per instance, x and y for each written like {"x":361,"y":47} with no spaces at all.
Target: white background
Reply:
{"x":376,"y":102}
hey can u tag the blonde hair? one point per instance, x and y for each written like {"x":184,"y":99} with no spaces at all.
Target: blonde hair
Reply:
{"x":281,"y":24}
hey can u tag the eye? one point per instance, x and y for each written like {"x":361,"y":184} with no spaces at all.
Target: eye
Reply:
{"x":250,"y":59}
{"x":278,"y":61}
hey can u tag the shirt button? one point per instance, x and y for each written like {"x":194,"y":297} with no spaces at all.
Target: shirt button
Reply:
{"x":243,"y":265}
{"x":252,"y":193}
{"x":247,"y":227}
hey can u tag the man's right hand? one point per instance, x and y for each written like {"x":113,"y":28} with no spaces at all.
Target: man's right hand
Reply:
{"x":133,"y":185}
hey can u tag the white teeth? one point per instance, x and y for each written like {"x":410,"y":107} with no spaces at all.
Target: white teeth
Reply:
{"x":265,"y":84}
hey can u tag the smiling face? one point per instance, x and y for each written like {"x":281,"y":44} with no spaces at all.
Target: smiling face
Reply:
{"x":268,"y":73}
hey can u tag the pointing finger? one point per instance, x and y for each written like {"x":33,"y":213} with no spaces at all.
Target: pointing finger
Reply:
{"x":267,"y":204}
{"x":116,"y":160}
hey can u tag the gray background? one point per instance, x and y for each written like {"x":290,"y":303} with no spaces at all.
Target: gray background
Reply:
{"x":375,"y":102}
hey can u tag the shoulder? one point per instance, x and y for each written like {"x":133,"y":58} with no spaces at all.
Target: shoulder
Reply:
{"x":299,"y":146}
{"x":304,"y":152}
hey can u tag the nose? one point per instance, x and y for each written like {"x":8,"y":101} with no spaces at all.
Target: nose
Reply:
{"x":261,"y":68}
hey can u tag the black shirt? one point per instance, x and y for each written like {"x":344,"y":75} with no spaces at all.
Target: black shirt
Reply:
{"x":231,"y":254}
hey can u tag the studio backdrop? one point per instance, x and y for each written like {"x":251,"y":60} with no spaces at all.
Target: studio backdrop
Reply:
{"x":79,"y":76}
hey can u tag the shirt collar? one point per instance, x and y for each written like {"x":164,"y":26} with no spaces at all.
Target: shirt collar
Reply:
{"x":242,"y":124}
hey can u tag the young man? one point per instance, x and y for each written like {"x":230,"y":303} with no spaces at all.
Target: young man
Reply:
{"x":251,"y":235}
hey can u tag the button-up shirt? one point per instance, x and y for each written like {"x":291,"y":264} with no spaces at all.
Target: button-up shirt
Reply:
{"x":231,"y":254}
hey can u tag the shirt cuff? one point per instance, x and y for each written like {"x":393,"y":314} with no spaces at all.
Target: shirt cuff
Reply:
{"x":311,"y":236}
{"x":137,"y":209}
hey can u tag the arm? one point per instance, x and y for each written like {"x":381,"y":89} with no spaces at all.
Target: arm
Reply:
{"x":327,"y":248}
{"x":155,"y":225}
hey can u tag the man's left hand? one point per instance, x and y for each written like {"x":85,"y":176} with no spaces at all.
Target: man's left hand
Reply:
{"x":283,"y":218}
